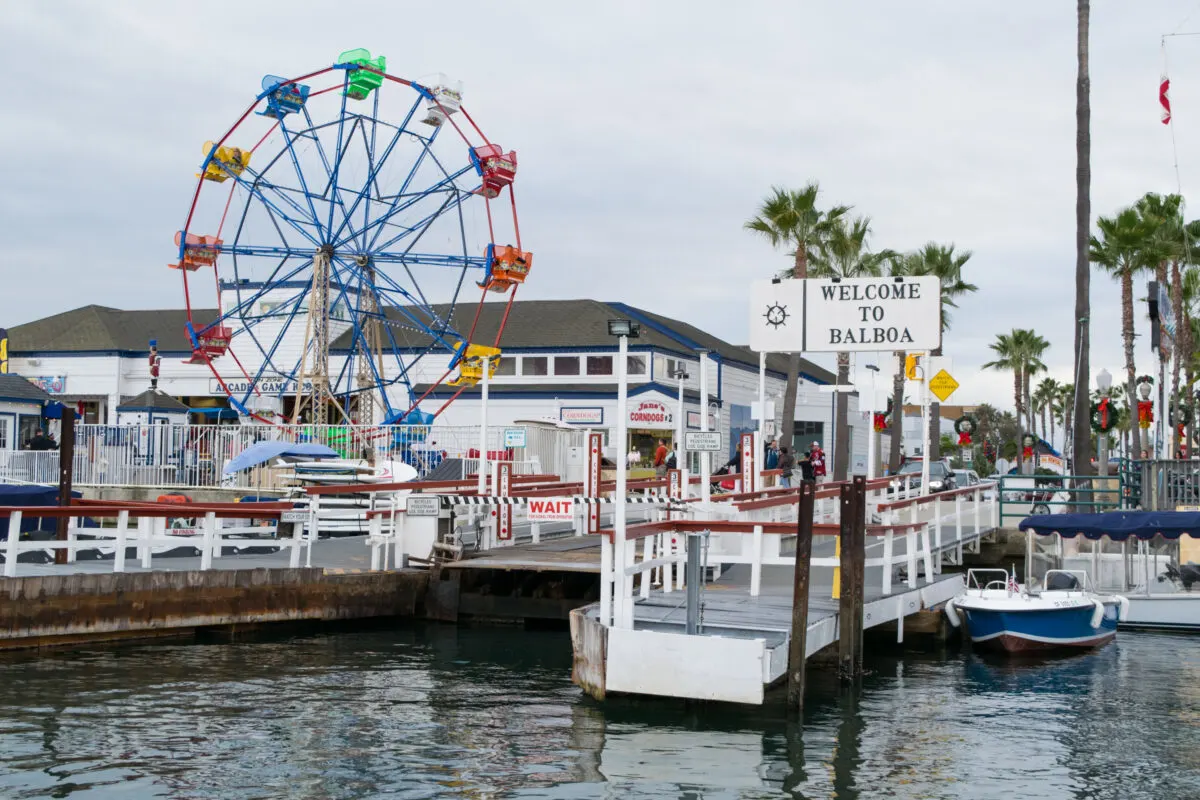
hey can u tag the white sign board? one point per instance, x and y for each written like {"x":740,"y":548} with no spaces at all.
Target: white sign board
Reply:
{"x":551,"y":509}
{"x":514,"y":437}
{"x":703,"y":441}
{"x":754,"y":410}
{"x":821,"y":315}
{"x":422,"y":505}
{"x":293,"y":516}
{"x":650,"y":414}
{"x":777,"y":316}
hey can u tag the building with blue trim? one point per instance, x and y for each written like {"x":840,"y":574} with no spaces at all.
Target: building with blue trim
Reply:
{"x":557,"y":363}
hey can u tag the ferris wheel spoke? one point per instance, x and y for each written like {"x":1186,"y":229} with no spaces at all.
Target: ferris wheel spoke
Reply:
{"x":403,"y":202}
{"x":365,"y":195}
{"x":419,"y":228}
{"x":252,"y":188}
{"x":290,"y":141}
{"x":402,"y":192}
{"x":251,"y":250}
{"x":431,"y":259}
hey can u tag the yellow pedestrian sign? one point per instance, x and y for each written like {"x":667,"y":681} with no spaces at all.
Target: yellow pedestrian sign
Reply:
{"x":943,"y":385}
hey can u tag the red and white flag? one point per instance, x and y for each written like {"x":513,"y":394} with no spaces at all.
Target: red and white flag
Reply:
{"x":1164,"y":99}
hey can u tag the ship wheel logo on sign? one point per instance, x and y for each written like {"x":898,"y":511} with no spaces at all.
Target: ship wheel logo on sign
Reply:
{"x":776,"y":315}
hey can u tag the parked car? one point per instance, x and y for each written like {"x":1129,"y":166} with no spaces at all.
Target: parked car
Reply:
{"x":941,"y":477}
{"x":966,"y":477}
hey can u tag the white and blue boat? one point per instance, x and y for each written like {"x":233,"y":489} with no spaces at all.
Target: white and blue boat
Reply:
{"x":1065,"y":614}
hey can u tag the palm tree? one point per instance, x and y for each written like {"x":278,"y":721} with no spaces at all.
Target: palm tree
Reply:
{"x":1007,"y":358}
{"x":791,"y":219}
{"x":1031,"y":347}
{"x":1066,"y":404}
{"x":1046,"y":398}
{"x":1167,"y":244}
{"x":1120,"y":250}
{"x":1081,"y":446}
{"x":943,"y":262}
{"x":844,"y":254}
{"x":1019,"y":351}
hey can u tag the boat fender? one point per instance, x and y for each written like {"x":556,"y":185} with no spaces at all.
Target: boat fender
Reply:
{"x":1098,"y":614}
{"x":952,"y":614}
{"x":1122,"y":608}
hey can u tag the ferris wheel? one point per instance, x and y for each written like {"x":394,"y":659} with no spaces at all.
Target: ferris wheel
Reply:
{"x":344,"y":216}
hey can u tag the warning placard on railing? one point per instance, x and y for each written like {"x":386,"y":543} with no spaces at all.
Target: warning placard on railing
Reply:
{"x":551,"y":509}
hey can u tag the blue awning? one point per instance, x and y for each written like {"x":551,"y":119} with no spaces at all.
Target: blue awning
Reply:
{"x":219,"y":413}
{"x":1116,"y":525}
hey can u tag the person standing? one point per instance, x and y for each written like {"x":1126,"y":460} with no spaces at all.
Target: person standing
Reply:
{"x":806,"y":468}
{"x":786,"y":463}
{"x":660,"y":459}
{"x":771,"y":457}
{"x":41,"y":441}
{"x":817,"y":456}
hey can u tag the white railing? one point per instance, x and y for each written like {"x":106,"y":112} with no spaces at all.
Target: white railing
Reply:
{"x":151,"y":535}
{"x":194,"y":456}
{"x":930,"y":527}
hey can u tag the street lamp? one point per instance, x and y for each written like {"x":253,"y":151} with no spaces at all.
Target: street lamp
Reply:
{"x":1104,"y":384}
{"x":624,"y":330}
{"x":873,"y":436}
{"x":680,"y":420}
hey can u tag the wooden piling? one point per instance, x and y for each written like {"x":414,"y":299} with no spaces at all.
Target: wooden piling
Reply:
{"x":852,"y":522}
{"x":798,"y":642}
{"x":66,"y":469}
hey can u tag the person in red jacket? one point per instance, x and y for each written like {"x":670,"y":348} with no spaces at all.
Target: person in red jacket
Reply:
{"x":817,"y":456}
{"x":660,"y":459}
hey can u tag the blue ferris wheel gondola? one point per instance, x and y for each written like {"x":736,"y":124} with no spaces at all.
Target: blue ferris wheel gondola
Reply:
{"x":341,"y":234}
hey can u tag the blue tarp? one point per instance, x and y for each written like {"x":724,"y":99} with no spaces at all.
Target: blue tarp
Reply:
{"x":262,"y":452}
{"x":29,"y":496}
{"x":1116,"y":525}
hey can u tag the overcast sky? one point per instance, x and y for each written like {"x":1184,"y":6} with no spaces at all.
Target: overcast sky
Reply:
{"x":648,"y":132}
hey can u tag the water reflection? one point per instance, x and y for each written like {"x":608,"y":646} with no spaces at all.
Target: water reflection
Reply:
{"x":441,"y":711}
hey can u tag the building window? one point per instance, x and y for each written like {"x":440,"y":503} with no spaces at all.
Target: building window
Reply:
{"x":666,"y":368}
{"x":805,"y":433}
{"x":599,"y":365}
{"x":636,"y":365}
{"x":534,"y":365}
{"x":506,"y":366}
{"x":566,"y":365}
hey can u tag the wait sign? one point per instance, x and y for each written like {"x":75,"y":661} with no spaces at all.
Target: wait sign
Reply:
{"x":551,"y":509}
{"x":824,"y":315}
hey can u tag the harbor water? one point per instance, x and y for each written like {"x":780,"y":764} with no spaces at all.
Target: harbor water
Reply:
{"x":458,"y":712}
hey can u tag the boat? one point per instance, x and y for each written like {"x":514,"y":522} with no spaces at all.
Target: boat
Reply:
{"x":1150,"y":557}
{"x":1063,"y":614}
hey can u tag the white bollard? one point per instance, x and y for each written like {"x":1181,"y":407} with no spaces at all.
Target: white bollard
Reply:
{"x":210,"y":531}
{"x":756,"y":549}
{"x":297,"y":540}
{"x":889,"y":545}
{"x":606,"y":580}
{"x":122,"y":531}
{"x":12,"y":546}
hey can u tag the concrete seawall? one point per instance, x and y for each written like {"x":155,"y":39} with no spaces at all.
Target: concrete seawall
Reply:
{"x":40,"y":611}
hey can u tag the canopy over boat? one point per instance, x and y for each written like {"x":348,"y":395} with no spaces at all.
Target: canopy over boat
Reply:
{"x":1116,"y":525}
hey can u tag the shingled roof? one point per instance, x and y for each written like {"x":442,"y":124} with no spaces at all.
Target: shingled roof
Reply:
{"x":14,"y":387}
{"x":531,"y":324}
{"x":102,"y":329}
{"x":153,"y":400}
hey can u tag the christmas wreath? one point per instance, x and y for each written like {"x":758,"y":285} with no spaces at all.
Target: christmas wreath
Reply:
{"x":1027,"y":442}
{"x":1104,"y":415}
{"x":964,"y":426}
{"x":883,"y":421}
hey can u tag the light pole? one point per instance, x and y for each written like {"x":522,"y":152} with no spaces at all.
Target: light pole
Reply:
{"x":680,"y":419}
{"x":872,"y":440}
{"x":705,"y":456}
{"x":1104,"y":384}
{"x":623,"y":329}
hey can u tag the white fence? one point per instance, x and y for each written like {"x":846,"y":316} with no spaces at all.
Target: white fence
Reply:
{"x":194,"y":456}
{"x":151,"y":535}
